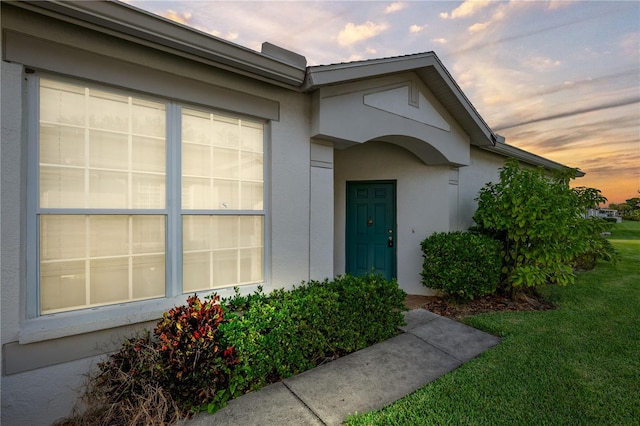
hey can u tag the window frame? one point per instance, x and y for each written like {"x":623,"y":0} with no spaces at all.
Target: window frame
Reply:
{"x":127,"y":312}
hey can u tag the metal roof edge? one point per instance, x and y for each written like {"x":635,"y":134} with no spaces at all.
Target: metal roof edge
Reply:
{"x":527,"y":157}
{"x":322,"y":75}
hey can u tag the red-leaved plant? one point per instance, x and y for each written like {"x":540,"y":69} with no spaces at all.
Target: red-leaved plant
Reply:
{"x":197,"y":364}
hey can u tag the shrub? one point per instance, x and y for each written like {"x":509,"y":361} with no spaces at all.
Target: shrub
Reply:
{"x":539,"y":220}
{"x":461,"y":264}
{"x":276,"y":338}
{"x":156,"y":382}
{"x":204,"y":354}
{"x":292,"y":331}
{"x":597,"y":247}
{"x":239,"y":302}
{"x":195,"y":361}
{"x":369,"y":311}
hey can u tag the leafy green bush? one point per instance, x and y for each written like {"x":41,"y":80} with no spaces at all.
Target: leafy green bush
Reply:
{"x":240,"y":302}
{"x":293,"y":331}
{"x":598,"y":248}
{"x":276,"y":338}
{"x":369,"y":311}
{"x":539,"y":220}
{"x":461,"y":264}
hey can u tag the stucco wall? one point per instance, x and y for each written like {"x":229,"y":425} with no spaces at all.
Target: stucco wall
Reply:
{"x":40,"y":397}
{"x":11,"y":199}
{"x":422,"y":202}
{"x":484,"y":168}
{"x":321,"y":211}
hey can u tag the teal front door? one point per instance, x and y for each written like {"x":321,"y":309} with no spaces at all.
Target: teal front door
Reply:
{"x":371,"y":228}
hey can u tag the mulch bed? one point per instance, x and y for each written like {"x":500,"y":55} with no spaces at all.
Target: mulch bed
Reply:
{"x":456,"y":310}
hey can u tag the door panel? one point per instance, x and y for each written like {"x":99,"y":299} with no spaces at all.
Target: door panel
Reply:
{"x":371,"y":210}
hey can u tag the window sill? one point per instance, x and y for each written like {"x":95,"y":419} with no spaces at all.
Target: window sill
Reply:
{"x":55,"y":326}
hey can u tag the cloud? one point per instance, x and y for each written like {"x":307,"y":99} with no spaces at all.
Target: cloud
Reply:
{"x":474,"y":46}
{"x":478,"y":27}
{"x":186,"y":18}
{"x":540,"y":64}
{"x":439,"y":40}
{"x":498,"y":15}
{"x":179,"y":17}
{"x":630,"y":44}
{"x":231,"y":35}
{"x":417,"y":28}
{"x":352,"y":33}
{"x":603,"y":80}
{"x":607,"y":149}
{"x":394,"y":7}
{"x":578,"y":111}
{"x":466,"y":9}
{"x":559,"y":4}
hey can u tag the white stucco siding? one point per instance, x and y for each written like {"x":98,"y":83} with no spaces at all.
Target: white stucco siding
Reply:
{"x":321,"y":211}
{"x":422,"y":202}
{"x":40,"y":397}
{"x":484,"y":168}
{"x":289,"y":198}
{"x":11,"y":200}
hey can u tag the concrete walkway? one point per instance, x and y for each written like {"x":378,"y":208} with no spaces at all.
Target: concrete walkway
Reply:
{"x":365,"y":380}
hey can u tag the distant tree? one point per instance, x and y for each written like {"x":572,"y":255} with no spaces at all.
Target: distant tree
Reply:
{"x":540,"y":221}
{"x":633,"y":203}
{"x":623,"y":208}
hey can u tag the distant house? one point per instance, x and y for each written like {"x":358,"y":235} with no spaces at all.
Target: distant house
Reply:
{"x":605,"y":214}
{"x":143,"y":160}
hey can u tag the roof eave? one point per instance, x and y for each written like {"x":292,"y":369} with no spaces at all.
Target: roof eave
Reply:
{"x":126,"y":21}
{"x":527,"y":157}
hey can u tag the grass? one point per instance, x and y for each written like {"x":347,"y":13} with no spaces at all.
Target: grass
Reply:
{"x":576,"y":365}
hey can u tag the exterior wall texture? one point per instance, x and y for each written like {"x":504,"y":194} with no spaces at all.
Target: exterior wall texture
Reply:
{"x":484,"y":168}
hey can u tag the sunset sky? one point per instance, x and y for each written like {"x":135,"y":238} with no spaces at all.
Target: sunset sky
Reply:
{"x":558,"y":78}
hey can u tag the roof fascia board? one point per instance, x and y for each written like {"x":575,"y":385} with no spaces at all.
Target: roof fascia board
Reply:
{"x":322,"y":75}
{"x":527,"y":157}
{"x":123,"y":20}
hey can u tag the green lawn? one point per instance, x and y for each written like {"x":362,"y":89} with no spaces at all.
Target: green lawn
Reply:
{"x":576,"y":365}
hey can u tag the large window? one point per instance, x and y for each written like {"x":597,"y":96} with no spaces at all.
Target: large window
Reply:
{"x":110,"y":194}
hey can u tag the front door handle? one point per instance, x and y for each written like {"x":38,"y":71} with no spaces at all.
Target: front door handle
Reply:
{"x":390,"y":241}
